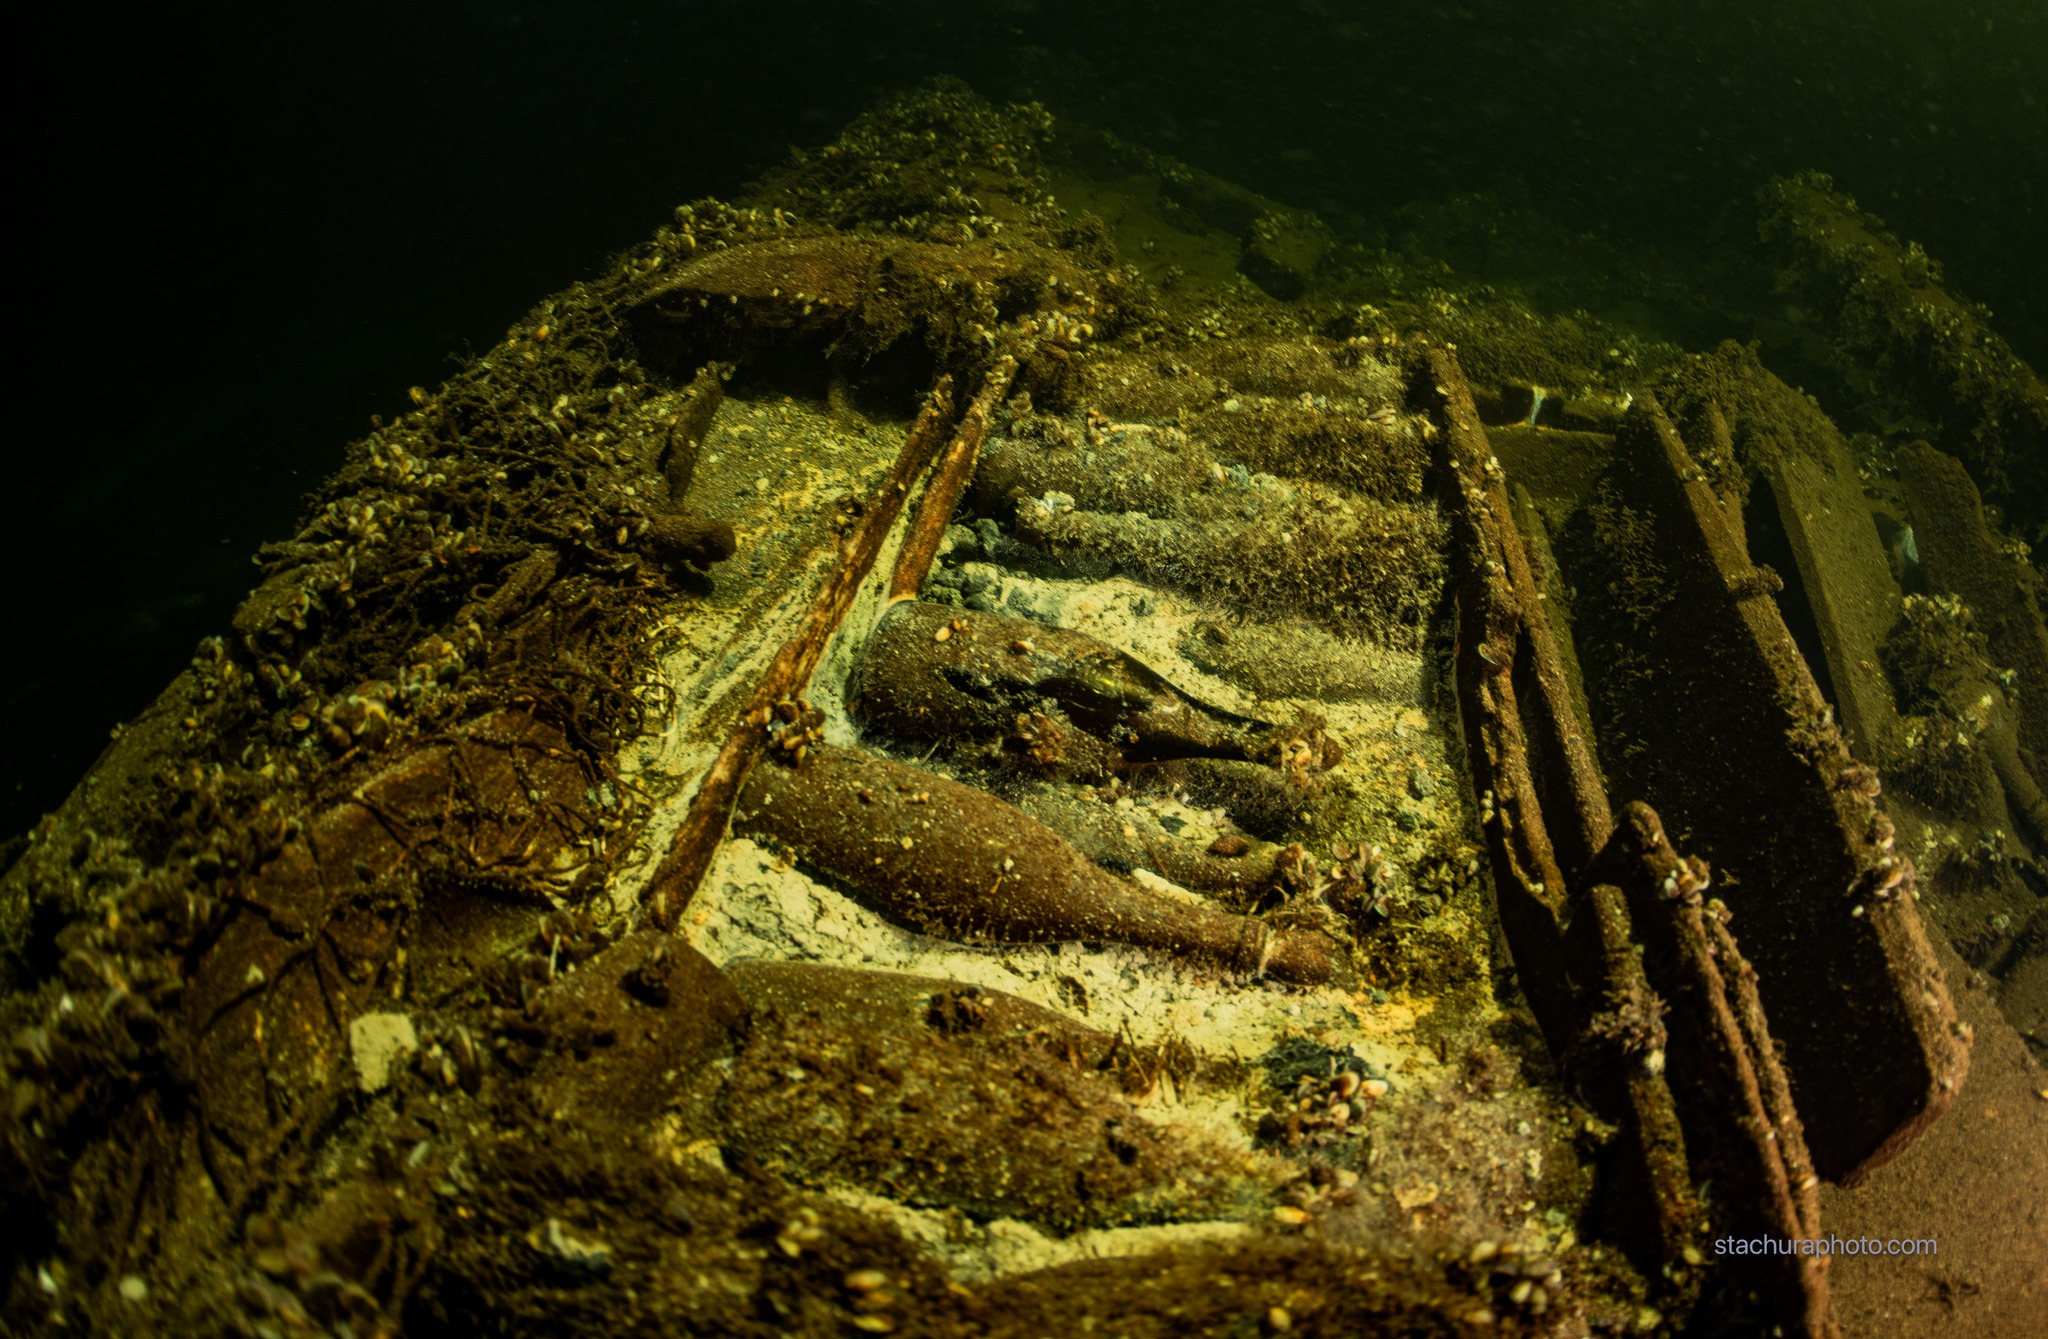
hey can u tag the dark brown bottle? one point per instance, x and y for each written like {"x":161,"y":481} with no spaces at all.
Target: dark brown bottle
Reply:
{"x":957,"y":862}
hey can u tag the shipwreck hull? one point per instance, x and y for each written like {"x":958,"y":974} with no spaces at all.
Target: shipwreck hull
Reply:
{"x":848,"y":774}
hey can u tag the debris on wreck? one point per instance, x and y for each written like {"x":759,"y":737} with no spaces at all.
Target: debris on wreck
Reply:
{"x":1925,"y":355}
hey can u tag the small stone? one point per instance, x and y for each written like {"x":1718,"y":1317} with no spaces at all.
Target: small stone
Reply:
{"x":981,"y":604}
{"x":1420,"y":784}
{"x":378,"y":1042}
{"x":1406,"y":819}
{"x":1289,"y":1215}
{"x":1279,"y":1320}
{"x":133,"y":1288}
{"x":1416,"y":1193}
{"x":959,"y":542}
{"x":573,"y":1257}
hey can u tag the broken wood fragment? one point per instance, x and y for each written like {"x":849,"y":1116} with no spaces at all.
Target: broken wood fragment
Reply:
{"x":689,"y":427}
{"x":693,"y":540}
{"x":672,"y":537}
{"x":1965,"y":559}
{"x":1617,"y":1055}
{"x":949,"y":481}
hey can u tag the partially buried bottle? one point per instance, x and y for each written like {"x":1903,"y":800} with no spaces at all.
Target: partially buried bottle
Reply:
{"x":957,"y":862}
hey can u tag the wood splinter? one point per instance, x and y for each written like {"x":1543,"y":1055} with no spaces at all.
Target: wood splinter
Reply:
{"x":673,"y":537}
{"x":949,"y":482}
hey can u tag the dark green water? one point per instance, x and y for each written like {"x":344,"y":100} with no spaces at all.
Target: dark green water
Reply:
{"x":256,"y":226}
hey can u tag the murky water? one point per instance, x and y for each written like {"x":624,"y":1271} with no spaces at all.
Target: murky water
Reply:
{"x":1040,"y":719}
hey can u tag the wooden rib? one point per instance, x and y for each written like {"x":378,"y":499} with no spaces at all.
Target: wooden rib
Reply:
{"x":1639,"y":1094}
{"x":1526,"y":746}
{"x":1482,"y":494}
{"x":1770,"y":1071}
{"x":1722,"y":1065}
{"x":689,"y":852}
{"x":1858,"y":999}
{"x":949,"y":482}
{"x":1499,"y":619}
{"x":1493,"y":619}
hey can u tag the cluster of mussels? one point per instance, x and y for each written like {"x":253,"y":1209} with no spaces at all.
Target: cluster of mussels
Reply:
{"x":1516,"y":1279}
{"x":1321,"y":1095}
{"x":1322,"y":1111}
